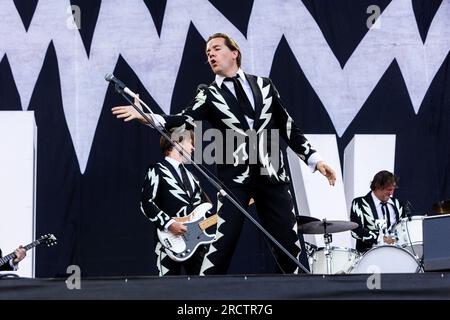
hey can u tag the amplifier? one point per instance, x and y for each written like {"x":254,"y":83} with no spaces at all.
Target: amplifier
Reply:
{"x":436,"y":243}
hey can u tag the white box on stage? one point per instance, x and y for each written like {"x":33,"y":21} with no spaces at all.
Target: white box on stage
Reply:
{"x":18,"y":136}
{"x":364,"y":156}
{"x":314,"y":196}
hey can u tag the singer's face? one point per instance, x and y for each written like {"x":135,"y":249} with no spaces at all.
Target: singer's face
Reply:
{"x":385,"y":193}
{"x":220,"y":58}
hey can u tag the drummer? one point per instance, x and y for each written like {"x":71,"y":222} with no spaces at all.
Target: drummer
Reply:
{"x":377,"y":210}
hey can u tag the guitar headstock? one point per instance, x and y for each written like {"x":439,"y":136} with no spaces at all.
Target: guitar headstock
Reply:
{"x":48,"y":239}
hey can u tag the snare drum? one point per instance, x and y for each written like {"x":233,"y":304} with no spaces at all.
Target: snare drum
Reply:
{"x":409,"y":234}
{"x":387,"y":259}
{"x":342,"y":260}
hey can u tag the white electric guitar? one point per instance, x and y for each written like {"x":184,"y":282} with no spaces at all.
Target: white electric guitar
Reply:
{"x":182,"y":247}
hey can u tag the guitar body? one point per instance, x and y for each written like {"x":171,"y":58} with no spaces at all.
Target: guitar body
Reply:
{"x":181,"y":248}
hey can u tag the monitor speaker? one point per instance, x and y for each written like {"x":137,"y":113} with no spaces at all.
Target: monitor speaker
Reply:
{"x":436,"y":243}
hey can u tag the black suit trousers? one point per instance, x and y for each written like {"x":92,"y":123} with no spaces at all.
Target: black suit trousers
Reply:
{"x":274,"y":205}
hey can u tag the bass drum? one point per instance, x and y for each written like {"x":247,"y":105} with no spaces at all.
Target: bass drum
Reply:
{"x":387,"y":259}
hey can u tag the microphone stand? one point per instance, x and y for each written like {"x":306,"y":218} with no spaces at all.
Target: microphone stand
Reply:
{"x":222,"y":192}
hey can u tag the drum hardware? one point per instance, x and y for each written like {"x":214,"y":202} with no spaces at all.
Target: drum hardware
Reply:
{"x":301,"y":220}
{"x":310,"y":248}
{"x":327,"y":239}
{"x":327,"y":228}
{"x":409,"y":234}
{"x":410,"y":241}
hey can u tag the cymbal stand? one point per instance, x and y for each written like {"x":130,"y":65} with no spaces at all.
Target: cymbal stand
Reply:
{"x":327,"y":239}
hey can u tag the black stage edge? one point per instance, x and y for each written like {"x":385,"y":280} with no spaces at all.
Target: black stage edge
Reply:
{"x":431,"y":285}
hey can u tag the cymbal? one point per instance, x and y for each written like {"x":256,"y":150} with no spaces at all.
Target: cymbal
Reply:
{"x":321,"y":227}
{"x":442,"y":206}
{"x":305,"y":219}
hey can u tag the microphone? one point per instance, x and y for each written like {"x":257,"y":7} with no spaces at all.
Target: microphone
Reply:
{"x":110,"y":78}
{"x":202,"y":86}
{"x":408,"y":208}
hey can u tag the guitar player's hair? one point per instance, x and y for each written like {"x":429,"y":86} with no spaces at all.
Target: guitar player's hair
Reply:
{"x":177,"y":135}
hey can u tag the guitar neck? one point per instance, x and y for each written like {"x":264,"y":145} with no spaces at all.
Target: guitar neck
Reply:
{"x":208,"y":222}
{"x":12,"y":255}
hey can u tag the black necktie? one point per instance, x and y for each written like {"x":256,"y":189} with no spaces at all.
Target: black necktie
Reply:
{"x":242,"y":98}
{"x":186,"y":182}
{"x":386,"y":214}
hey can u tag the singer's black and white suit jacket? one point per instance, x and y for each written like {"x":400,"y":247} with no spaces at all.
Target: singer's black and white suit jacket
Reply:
{"x":218,"y":106}
{"x":364,"y":213}
{"x":258,"y":174}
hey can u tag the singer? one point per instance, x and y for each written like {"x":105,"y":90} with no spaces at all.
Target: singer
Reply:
{"x":240,"y":102}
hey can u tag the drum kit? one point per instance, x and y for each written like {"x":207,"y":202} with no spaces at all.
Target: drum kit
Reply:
{"x":405,"y":256}
{"x":329,"y":259}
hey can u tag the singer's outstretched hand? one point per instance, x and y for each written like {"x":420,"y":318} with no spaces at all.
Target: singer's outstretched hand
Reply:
{"x":128,"y":113}
{"x":327,"y":172}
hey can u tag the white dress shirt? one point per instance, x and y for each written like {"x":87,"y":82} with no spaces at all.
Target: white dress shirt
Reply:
{"x":378,"y":205}
{"x":176,"y":165}
{"x":245,"y":85}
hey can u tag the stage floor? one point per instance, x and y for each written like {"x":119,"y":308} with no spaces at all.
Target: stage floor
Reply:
{"x":430,"y":285}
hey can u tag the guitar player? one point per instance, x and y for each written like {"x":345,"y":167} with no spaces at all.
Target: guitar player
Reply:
{"x":170,"y":190}
{"x":14,"y":264}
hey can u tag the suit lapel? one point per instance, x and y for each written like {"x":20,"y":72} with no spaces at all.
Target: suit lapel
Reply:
{"x":397,"y":215}
{"x":233,"y":104}
{"x":369,"y":200}
{"x":196,"y":183}
{"x":176,"y":177}
{"x":257,"y":98}
{"x":174,"y":173}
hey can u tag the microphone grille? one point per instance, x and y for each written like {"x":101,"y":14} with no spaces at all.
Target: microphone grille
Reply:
{"x":202,"y":86}
{"x":109,"y":76}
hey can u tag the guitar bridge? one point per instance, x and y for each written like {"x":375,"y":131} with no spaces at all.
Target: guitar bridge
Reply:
{"x":167,"y":243}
